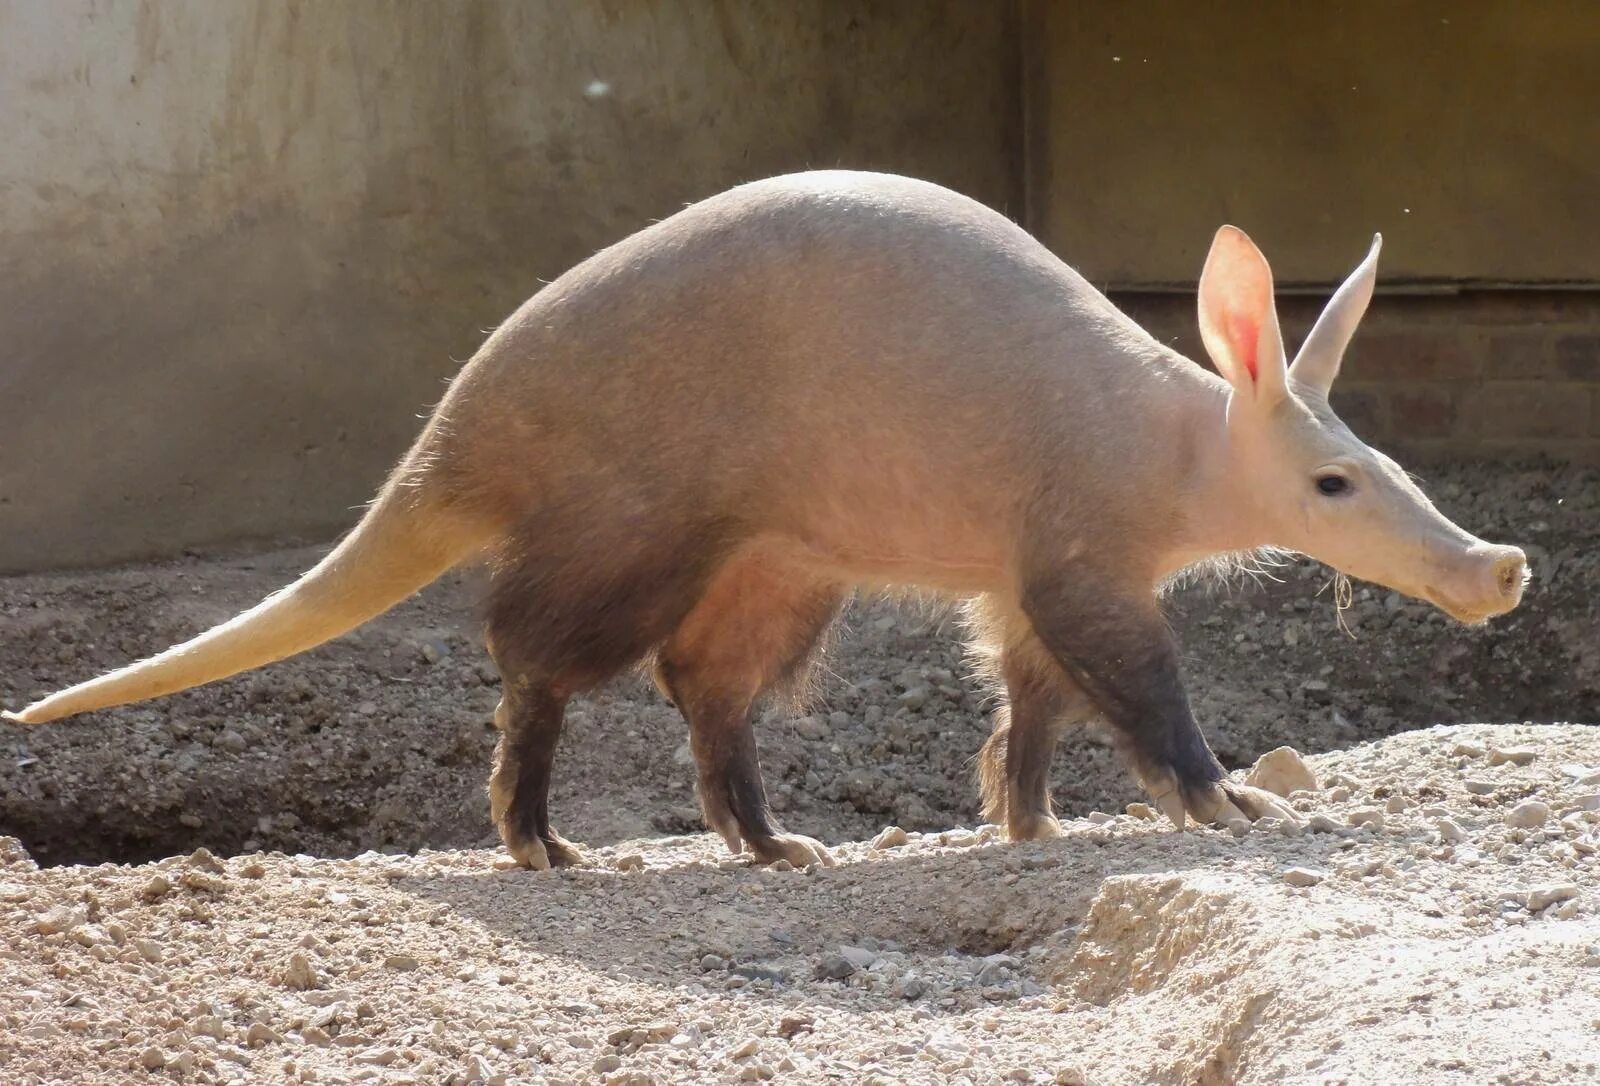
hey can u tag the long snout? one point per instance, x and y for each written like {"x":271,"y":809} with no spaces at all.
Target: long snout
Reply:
{"x":1484,"y":581}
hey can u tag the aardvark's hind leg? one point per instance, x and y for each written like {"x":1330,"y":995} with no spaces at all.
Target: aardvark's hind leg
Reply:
{"x":1014,"y":765}
{"x":755,"y":628}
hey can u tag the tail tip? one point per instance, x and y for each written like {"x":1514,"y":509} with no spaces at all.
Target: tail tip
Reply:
{"x":16,"y":718}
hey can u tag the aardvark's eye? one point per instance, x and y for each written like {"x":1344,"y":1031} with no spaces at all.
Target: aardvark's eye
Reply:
{"x":1332,"y":484}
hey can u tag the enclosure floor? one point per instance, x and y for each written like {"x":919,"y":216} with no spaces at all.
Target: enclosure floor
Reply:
{"x":1435,"y":944}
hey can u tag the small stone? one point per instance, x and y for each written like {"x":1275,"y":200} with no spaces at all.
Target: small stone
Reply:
{"x":631,"y":862}
{"x":860,"y":957}
{"x":912,"y":987}
{"x":791,"y":1024}
{"x":401,"y":963}
{"x":713,"y":963}
{"x":745,"y":1049}
{"x":812,"y":728}
{"x":259,"y":1034}
{"x":151,"y":1059}
{"x":1282,"y":771}
{"x":1396,"y":804}
{"x":1478,"y":787}
{"x":1514,"y":755}
{"x":1541,"y":896}
{"x":1450,"y":831}
{"x":479,"y":1073}
{"x":1467,"y":750}
{"x":1239,"y":827}
{"x":1339,"y":794}
{"x":59,"y":919}
{"x":1527,"y":815}
{"x":833,"y":967}
{"x":889,"y":837}
{"x":1321,"y":823}
{"x":1141,"y":811}
{"x":1303,"y":876}
{"x":380,"y":1057}
{"x":606,"y":1063}
{"x":149,"y":950}
{"x":300,"y":974}
{"x":157,"y":887}
{"x":1100,"y":818}
{"x":1363,"y":816}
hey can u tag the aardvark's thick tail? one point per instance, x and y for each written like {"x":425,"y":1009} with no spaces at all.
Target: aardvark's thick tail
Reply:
{"x":401,"y":545}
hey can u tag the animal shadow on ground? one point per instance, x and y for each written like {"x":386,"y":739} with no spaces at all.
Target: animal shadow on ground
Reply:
{"x":657,"y":925}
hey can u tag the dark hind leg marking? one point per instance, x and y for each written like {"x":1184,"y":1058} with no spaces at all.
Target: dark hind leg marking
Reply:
{"x":564,"y":620}
{"x":529,"y":717}
{"x":753,"y":631}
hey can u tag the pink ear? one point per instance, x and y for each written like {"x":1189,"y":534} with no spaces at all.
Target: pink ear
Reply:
{"x":1238,"y":320}
{"x":1244,"y":336}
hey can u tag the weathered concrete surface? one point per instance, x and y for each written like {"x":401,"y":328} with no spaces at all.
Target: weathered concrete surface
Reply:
{"x":1465,"y":132}
{"x":241,"y":244}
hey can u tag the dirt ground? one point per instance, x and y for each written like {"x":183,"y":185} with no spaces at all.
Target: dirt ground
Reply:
{"x":1428,"y":939}
{"x":1436,"y":924}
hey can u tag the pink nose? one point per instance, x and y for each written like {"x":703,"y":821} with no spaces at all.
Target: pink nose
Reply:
{"x":1509,"y":572}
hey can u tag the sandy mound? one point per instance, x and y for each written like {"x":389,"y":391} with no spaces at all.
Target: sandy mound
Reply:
{"x":1438,"y":924}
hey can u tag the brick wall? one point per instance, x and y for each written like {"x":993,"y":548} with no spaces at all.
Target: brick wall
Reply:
{"x":1481,"y":374}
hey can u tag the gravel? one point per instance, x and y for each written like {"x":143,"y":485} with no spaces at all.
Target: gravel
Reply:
{"x":1123,"y":953}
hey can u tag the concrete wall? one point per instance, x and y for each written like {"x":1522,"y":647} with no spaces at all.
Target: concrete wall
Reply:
{"x":242,"y":242}
{"x":1464,"y":130}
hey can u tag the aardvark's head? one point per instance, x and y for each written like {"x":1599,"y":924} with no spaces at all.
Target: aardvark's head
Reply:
{"x":1297,"y":471}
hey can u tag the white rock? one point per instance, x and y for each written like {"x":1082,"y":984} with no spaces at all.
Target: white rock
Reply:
{"x":889,"y":837}
{"x":1282,"y":771}
{"x":1514,"y":755}
{"x":1527,"y":815}
{"x":1540,"y":896}
{"x":300,"y":973}
{"x":1362,"y":816}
